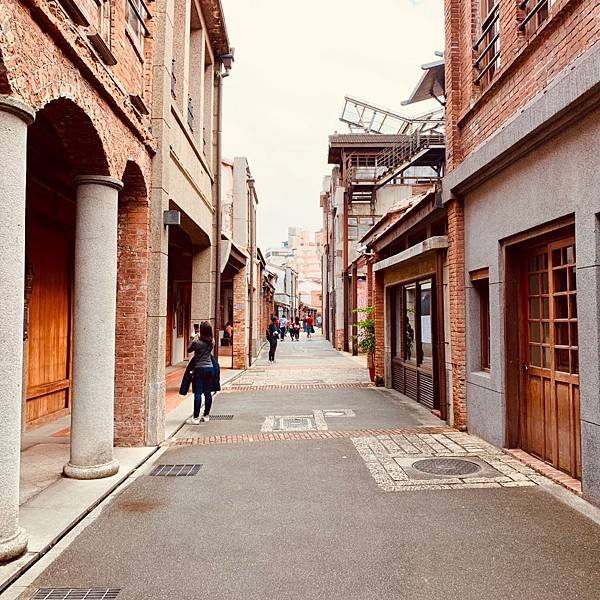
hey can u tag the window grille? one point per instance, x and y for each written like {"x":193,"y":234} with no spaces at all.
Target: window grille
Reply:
{"x":487,"y":46}
{"x":190,"y":114}
{"x":137,"y":13}
{"x":173,"y":80}
{"x":536,"y":12}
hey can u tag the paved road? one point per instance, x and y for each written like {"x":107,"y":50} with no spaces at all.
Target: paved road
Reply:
{"x":338,"y":515}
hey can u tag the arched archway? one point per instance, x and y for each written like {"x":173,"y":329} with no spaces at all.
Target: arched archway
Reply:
{"x":132,"y":313}
{"x":5,"y":87}
{"x":62,"y":143}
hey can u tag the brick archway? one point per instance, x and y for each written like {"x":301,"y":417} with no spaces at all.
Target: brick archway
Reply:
{"x":4,"y":83}
{"x":132,"y":297}
{"x":76,"y":131}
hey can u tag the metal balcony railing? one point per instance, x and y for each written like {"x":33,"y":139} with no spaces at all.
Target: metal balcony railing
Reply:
{"x":378,"y":168}
{"x":487,"y":46}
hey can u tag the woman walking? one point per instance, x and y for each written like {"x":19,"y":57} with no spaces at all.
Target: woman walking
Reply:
{"x":204,"y":374}
{"x":272,"y":336}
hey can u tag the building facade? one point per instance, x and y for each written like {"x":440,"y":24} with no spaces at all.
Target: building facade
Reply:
{"x":75,"y":87}
{"x":242,"y":263}
{"x":521,"y":194}
{"x":372,"y":173}
{"x":191,"y":41}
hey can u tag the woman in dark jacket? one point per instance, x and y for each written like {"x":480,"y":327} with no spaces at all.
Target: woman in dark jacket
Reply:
{"x":202,"y":347}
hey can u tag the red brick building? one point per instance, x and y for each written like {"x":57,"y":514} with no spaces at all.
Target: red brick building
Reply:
{"x":75,"y":85}
{"x":523,"y":90}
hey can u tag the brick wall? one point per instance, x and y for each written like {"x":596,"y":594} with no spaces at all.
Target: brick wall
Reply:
{"x":378,"y":302}
{"x":45,"y":56}
{"x":456,"y":283}
{"x":529,"y":63}
{"x":132,"y":299}
{"x":240,"y":298}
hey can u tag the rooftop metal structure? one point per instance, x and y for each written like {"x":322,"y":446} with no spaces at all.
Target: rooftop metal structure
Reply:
{"x":361,"y":116}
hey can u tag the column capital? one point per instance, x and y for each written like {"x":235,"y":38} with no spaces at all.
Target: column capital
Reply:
{"x":12,"y":105}
{"x":104,"y":180}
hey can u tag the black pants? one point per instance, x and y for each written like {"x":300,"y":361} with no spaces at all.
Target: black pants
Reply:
{"x":272,"y":348}
{"x":282,"y":331}
{"x":203,"y":381}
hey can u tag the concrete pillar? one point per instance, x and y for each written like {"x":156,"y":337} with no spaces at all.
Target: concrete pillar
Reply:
{"x":203,"y":281}
{"x":14,"y":119}
{"x":92,"y":413}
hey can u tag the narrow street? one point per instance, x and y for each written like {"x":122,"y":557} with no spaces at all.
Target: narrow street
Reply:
{"x":329,"y":504}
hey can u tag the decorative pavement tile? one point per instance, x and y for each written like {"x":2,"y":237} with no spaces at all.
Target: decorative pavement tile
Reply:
{"x":440,"y":461}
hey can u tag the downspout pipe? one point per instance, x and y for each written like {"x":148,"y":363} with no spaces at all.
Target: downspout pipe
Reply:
{"x":219,"y":78}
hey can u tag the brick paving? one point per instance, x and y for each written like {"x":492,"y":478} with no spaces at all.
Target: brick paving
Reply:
{"x":390,"y":457}
{"x":210,"y":440}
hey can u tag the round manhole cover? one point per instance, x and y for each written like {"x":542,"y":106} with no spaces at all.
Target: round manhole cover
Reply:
{"x":446,"y":466}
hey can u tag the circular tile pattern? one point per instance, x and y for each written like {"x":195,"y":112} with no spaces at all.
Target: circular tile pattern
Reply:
{"x":446,"y":466}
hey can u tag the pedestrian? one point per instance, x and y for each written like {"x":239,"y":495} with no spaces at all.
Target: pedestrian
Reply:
{"x":283,"y":326}
{"x":204,"y":373}
{"x":320,"y":323}
{"x":296,"y":329}
{"x":310,"y":329}
{"x":272,"y":336}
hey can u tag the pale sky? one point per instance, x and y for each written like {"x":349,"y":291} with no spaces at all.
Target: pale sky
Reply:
{"x":294,"y":62}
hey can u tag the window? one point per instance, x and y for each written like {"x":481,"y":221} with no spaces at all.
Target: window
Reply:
{"x":413,"y":327}
{"x":487,"y":47}
{"x":358,"y":227}
{"x":481,"y":285}
{"x":137,"y":13}
{"x":536,"y":12}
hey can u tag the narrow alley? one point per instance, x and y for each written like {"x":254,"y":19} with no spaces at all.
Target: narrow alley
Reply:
{"x":308,"y":482}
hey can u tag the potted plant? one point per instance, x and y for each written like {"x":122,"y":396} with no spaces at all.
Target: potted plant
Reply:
{"x":366,"y":336}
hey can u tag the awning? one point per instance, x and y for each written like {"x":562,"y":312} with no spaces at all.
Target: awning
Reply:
{"x":431,"y":85}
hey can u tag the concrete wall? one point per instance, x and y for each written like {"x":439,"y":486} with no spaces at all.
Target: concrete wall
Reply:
{"x":520,"y":198}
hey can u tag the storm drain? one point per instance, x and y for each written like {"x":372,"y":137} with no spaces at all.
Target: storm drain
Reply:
{"x":446,"y":466}
{"x":221,"y":417}
{"x":76,"y":593}
{"x":171,"y":471}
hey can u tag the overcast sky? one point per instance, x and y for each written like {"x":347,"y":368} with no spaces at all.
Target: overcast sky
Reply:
{"x":294,"y":62}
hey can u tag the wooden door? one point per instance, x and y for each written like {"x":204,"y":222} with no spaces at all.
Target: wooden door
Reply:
{"x":49,"y":342}
{"x":169,"y":327}
{"x":550,"y":411}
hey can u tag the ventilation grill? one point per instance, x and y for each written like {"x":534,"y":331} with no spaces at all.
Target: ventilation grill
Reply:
{"x":76,"y":593}
{"x":173,"y":471}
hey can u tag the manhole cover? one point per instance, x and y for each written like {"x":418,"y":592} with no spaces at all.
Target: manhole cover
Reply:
{"x":76,"y":593}
{"x":446,"y":466}
{"x":297,"y":423}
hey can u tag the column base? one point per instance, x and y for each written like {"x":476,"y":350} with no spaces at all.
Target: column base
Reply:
{"x":91,"y":472}
{"x":14,"y":546}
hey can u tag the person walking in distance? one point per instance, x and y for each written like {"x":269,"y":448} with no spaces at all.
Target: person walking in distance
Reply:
{"x":272,"y":336}
{"x":202,"y":346}
{"x":310,"y":329}
{"x":283,"y":326}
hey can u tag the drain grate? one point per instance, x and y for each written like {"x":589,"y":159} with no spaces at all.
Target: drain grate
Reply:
{"x":175,"y":470}
{"x":446,"y":466}
{"x":221,"y":417}
{"x":76,"y":593}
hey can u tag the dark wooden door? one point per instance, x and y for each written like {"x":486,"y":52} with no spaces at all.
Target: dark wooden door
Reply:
{"x":550,"y":427}
{"x":49,"y":342}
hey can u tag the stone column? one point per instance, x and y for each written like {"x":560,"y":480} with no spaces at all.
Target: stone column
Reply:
{"x":14,"y":119}
{"x":203,"y":288}
{"x":92,"y":413}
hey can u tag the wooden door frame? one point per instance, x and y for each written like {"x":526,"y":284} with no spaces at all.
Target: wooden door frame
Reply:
{"x":512,"y":257}
{"x":438,"y":367}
